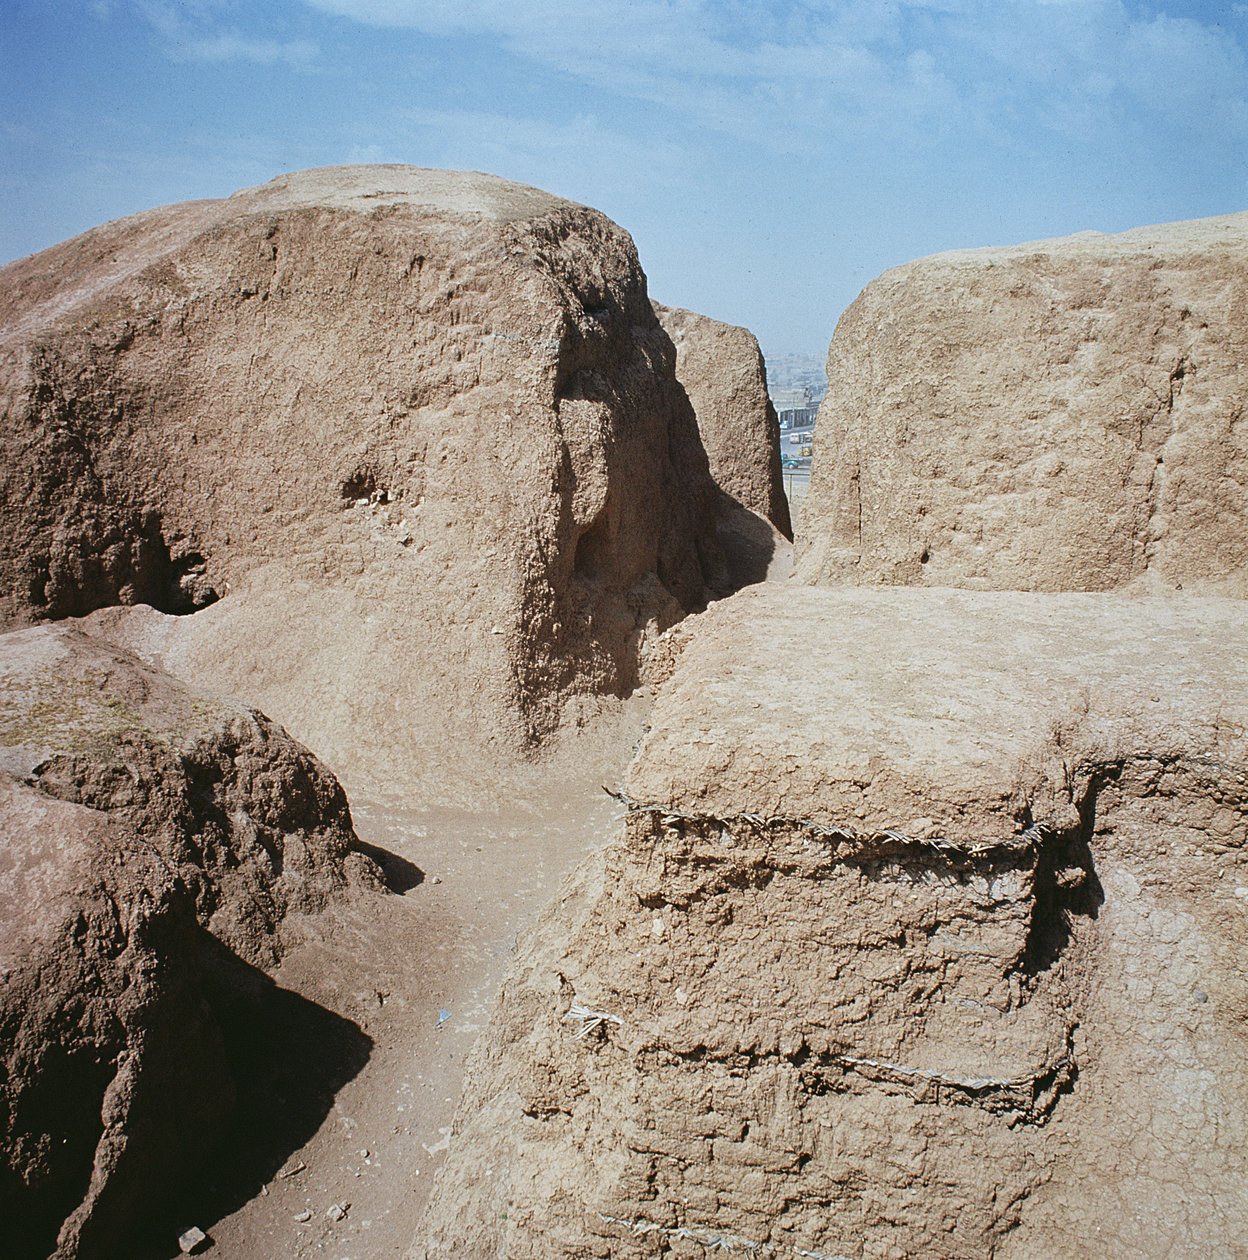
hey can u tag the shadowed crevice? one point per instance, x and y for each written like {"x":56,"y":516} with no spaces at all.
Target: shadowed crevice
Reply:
{"x":288,"y":1057}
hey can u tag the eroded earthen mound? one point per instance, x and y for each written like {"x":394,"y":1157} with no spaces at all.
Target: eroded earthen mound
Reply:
{"x":722,"y":370}
{"x":155,"y":843}
{"x":1063,"y":415}
{"x":411,"y":441}
{"x":929,"y":945}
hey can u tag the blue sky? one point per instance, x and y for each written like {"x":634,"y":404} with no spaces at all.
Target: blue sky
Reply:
{"x":769,"y":156}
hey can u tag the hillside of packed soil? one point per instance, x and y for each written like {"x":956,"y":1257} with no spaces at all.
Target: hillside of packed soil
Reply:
{"x":931,"y":946}
{"x":158,"y":846}
{"x":913,"y":921}
{"x":401,"y":456}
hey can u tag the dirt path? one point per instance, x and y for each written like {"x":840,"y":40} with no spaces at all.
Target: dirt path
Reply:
{"x":359,"y":1053}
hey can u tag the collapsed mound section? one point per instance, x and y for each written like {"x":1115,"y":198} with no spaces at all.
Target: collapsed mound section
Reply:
{"x":156,"y":846}
{"x":912,"y":951}
{"x":722,"y":370}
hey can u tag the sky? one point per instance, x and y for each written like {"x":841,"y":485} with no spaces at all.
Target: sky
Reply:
{"x":769,"y":157}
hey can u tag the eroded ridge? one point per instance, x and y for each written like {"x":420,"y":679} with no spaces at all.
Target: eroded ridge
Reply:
{"x":891,"y":854}
{"x":356,"y":416}
{"x":159,"y":848}
{"x":923,"y":954}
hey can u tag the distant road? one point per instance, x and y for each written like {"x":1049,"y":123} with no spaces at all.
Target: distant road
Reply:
{"x":796,"y":488}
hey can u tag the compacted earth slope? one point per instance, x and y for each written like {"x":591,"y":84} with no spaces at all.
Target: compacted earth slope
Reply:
{"x":931,"y":948}
{"x":154,"y":845}
{"x":922,"y":932}
{"x":1064,"y":415}
{"x":408,"y":444}
{"x":722,"y":370}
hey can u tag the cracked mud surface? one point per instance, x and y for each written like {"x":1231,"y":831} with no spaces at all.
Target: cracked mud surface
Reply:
{"x":935,"y":955}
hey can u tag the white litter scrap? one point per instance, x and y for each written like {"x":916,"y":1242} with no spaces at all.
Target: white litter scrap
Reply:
{"x":590,"y":1019}
{"x":970,"y":1083}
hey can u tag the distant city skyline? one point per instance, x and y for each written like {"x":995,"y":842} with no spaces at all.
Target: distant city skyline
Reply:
{"x":770,"y":157}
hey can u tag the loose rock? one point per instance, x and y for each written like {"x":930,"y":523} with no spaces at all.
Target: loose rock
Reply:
{"x":192,"y":1239}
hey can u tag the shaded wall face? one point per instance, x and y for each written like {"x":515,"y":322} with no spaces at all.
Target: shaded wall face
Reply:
{"x":721,"y":368}
{"x":629,"y":535}
{"x":155,"y":842}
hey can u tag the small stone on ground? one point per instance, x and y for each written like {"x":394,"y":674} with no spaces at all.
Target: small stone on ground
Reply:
{"x":191,"y":1239}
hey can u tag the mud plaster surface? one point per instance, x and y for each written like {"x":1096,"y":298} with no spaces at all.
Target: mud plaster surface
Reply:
{"x":931,"y":947}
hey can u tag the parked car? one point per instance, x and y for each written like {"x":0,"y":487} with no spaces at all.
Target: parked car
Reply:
{"x":789,"y":461}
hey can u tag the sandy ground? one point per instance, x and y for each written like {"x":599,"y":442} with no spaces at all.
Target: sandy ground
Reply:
{"x":359,"y":1052}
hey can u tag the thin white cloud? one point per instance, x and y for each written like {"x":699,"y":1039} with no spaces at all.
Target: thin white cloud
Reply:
{"x":370,"y":155}
{"x":786,"y":71}
{"x":191,"y":30}
{"x":231,"y":46}
{"x":19,"y":133}
{"x":1179,"y":60}
{"x":174,"y":20}
{"x":561,"y":152}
